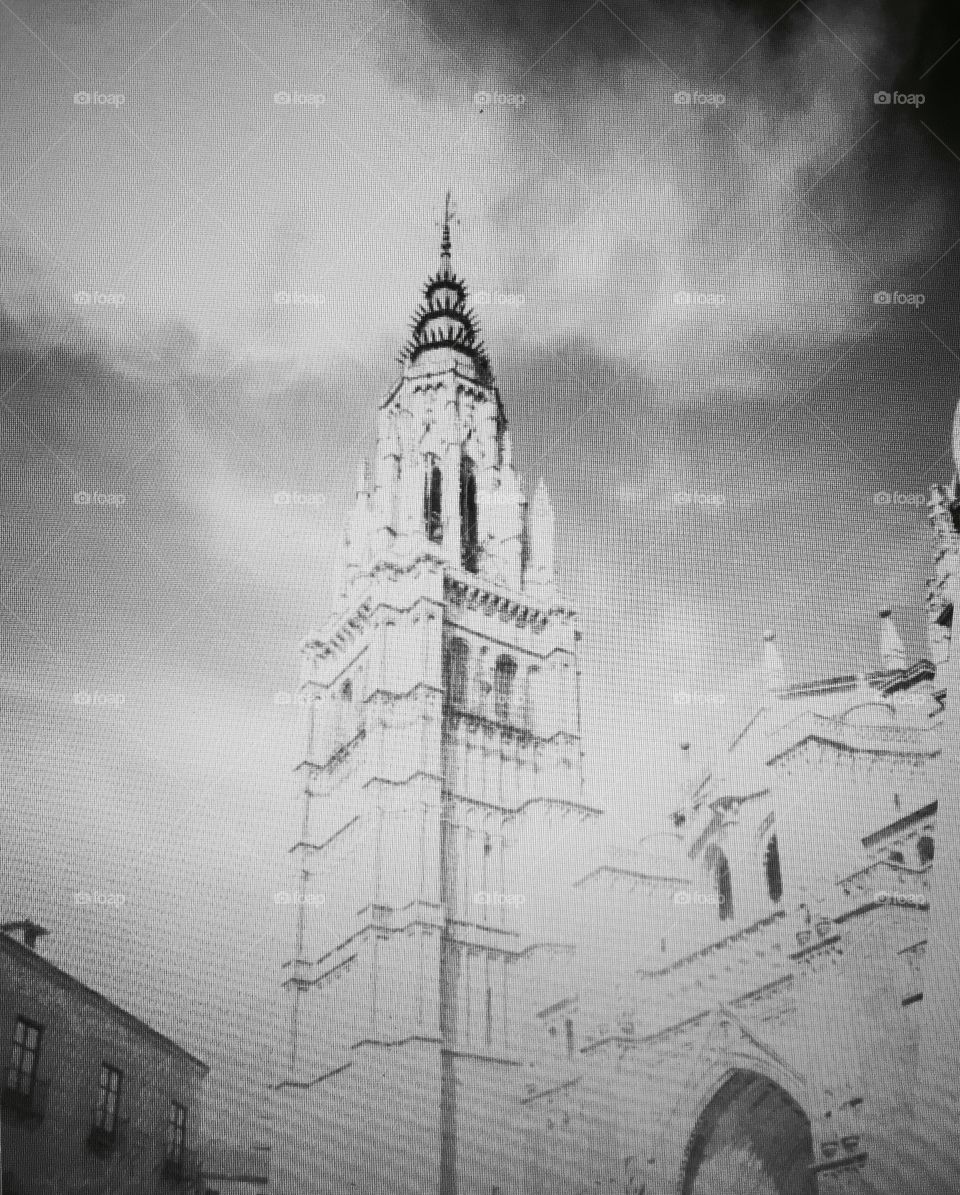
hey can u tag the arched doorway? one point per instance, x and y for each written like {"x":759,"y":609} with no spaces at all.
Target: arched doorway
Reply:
{"x":752,"y":1138}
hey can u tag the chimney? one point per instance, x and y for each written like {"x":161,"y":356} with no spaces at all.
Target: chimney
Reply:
{"x":26,"y":932}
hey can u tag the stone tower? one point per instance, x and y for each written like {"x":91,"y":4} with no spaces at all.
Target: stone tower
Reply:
{"x":441,"y":781}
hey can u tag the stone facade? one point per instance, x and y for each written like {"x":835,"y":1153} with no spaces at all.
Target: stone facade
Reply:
{"x":485,"y":999}
{"x":57,"y":1136}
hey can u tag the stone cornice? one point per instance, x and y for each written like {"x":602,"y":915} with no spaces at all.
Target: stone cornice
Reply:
{"x":474,"y":592}
{"x":918,"y":815}
{"x":714,"y":947}
{"x":412,"y":379}
{"x":643,"y":879}
{"x":531,"y":1097}
{"x":885,"y":678}
{"x":877,"y":741}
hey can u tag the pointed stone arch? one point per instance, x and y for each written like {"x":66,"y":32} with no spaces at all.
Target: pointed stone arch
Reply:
{"x":730,"y":1056}
{"x":749,"y":1128}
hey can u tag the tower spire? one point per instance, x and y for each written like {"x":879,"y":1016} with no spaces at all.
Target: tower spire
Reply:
{"x":444,"y":320}
{"x":448,"y":217}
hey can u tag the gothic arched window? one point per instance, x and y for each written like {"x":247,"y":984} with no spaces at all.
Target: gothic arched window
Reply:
{"x":724,"y":887}
{"x":925,"y":849}
{"x":503,"y":677}
{"x":469,"y":524}
{"x":455,"y":672}
{"x":771,"y":865}
{"x":432,"y":500}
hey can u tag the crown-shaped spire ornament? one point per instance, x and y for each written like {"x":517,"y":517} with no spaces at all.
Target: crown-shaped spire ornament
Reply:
{"x":443,"y":320}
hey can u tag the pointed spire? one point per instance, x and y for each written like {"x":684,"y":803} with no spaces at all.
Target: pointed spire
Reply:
{"x":443,"y":318}
{"x":774,"y":673}
{"x":893,"y":654}
{"x":541,"y":529}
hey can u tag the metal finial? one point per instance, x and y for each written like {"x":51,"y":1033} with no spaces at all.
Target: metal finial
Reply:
{"x":449,"y":215}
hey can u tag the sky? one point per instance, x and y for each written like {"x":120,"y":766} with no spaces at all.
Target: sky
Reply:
{"x":215,"y":220}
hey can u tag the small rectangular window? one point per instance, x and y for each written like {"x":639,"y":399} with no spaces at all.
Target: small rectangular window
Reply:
{"x":24,"y":1057}
{"x":108,"y":1100}
{"x":176,"y":1133}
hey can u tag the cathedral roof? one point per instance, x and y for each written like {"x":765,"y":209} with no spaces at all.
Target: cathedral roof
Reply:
{"x":443,"y":319}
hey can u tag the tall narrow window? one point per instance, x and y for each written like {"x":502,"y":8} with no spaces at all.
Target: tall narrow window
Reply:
{"x":724,"y":887}
{"x":455,"y":672}
{"x":24,"y":1057}
{"x":108,"y":1100}
{"x":176,"y":1133}
{"x":503,"y":677}
{"x":925,"y":850}
{"x":571,"y":1044}
{"x":488,"y":1019}
{"x":469,"y":527}
{"x":432,"y":502}
{"x":771,"y":865}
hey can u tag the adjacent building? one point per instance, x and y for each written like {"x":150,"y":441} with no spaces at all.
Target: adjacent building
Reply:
{"x":93,"y":1099}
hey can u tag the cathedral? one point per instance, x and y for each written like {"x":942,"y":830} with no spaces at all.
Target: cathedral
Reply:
{"x":485,"y":995}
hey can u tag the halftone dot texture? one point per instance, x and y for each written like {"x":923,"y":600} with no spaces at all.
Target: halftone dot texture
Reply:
{"x":714,"y":260}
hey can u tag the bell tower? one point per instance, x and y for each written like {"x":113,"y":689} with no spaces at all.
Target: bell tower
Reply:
{"x":442,"y":792}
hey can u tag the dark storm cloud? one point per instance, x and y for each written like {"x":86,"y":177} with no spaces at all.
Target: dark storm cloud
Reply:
{"x":593,"y":34}
{"x":566,"y":48}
